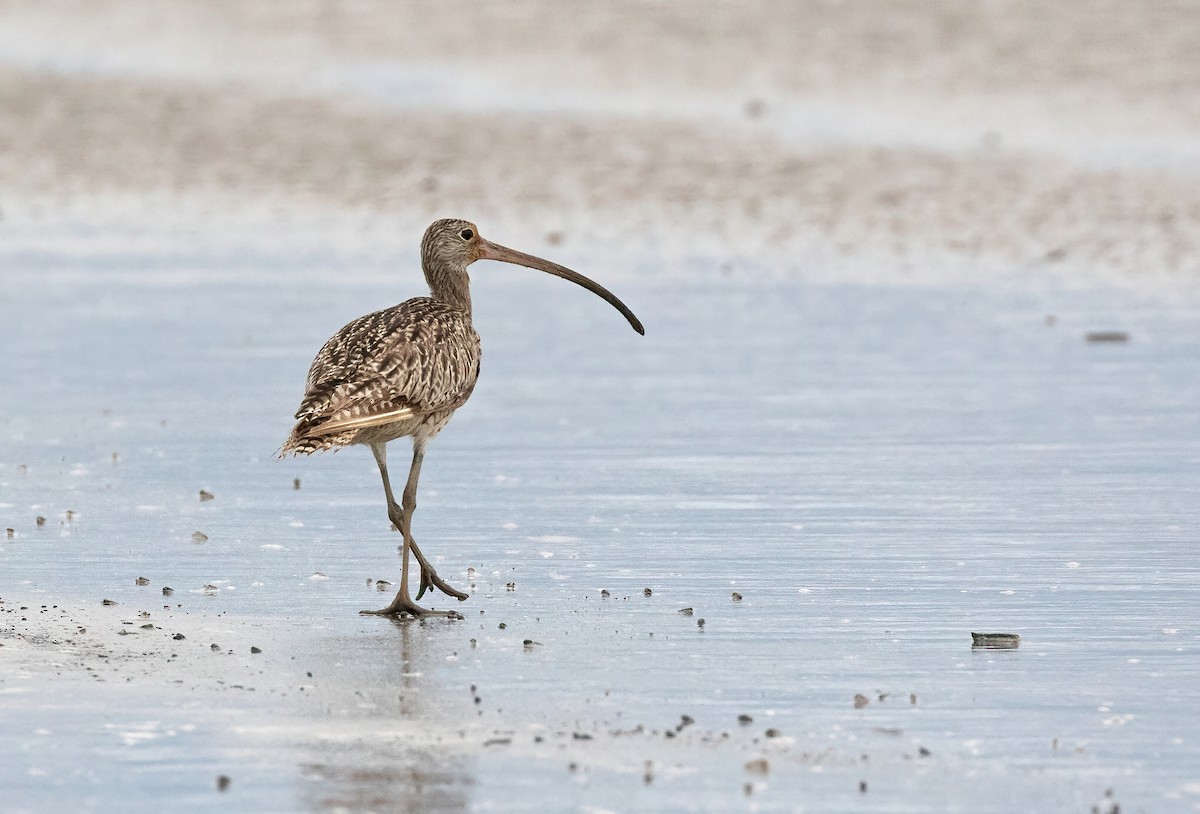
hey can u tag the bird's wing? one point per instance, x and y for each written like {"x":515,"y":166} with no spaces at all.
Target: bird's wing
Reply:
{"x":417,"y":358}
{"x":362,"y":422}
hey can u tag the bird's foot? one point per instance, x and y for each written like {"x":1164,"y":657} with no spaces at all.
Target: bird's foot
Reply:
{"x":430,"y":579}
{"x":403,"y":606}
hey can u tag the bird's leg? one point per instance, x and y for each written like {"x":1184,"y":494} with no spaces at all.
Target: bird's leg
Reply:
{"x":403,"y":603}
{"x":429,"y":576}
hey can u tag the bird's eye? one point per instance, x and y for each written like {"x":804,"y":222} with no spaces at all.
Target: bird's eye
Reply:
{"x":466,"y":234}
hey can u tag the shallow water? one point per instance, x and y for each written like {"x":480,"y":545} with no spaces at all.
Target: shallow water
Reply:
{"x":878,"y":471}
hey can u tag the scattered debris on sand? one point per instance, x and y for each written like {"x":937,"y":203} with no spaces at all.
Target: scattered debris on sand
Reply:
{"x":995,"y":641}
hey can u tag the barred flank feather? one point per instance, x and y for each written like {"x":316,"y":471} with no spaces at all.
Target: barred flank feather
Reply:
{"x":396,"y":372}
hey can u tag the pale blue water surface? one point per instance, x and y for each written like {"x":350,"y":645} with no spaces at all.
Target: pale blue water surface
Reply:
{"x":877,"y":471}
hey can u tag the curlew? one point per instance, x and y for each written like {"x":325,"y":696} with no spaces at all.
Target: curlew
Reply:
{"x":403,"y":371}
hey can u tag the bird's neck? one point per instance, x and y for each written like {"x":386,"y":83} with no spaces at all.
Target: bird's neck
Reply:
{"x":448,"y":283}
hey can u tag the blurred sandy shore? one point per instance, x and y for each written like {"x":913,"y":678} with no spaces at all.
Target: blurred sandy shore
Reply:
{"x":868,"y":140}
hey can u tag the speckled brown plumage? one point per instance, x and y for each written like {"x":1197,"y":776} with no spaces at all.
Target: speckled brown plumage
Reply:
{"x":400,"y":371}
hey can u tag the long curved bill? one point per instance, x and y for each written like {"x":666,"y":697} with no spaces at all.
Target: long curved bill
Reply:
{"x":494,"y":251}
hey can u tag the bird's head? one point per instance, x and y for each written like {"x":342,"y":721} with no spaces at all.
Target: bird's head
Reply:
{"x":454,"y":244}
{"x":453,"y":241}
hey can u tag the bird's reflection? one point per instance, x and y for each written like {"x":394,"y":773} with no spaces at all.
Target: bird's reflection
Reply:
{"x":421,"y":782}
{"x":383,"y":686}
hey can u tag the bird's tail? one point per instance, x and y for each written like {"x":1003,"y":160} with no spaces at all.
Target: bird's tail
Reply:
{"x":303,"y":441}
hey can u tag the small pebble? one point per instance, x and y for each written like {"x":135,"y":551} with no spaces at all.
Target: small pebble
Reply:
{"x":503,"y":625}
{"x":912,"y":698}
{"x":141,"y":581}
{"x":382,"y":585}
{"x":604,"y":594}
{"x":861,"y":701}
{"x":647,"y":592}
{"x":107,"y":602}
{"x":206,"y":495}
{"x":758,"y":766}
{"x":684,"y":611}
{"x":745,"y":720}
{"x":223,"y":782}
{"x":923,"y":752}
{"x":41,"y":521}
{"x":255,"y":650}
{"x":772,"y":733}
{"x":862,"y":786}
{"x":996,"y":641}
{"x":1106,"y":336}
{"x":199,"y":537}
{"x":168,"y":591}
{"x":214,"y":647}
{"x":737,"y":597}
{"x":295,"y":483}
{"x":754,"y":108}
{"x":178,"y":637}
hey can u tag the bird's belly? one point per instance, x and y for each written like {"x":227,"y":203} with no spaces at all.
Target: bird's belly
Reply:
{"x":425,"y":427}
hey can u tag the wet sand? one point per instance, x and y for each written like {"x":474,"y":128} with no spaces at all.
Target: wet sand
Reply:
{"x":907,"y":465}
{"x":869,"y":247}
